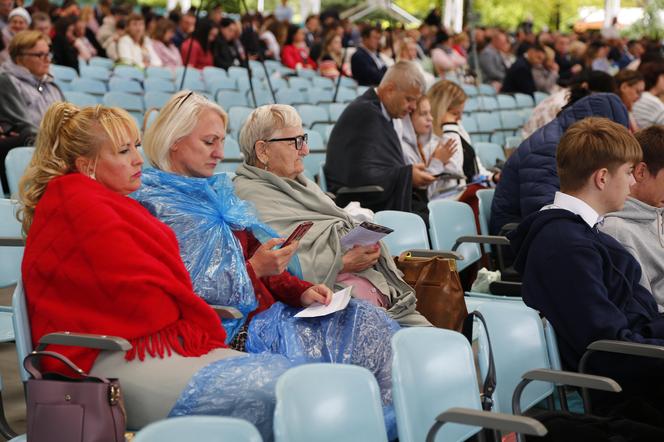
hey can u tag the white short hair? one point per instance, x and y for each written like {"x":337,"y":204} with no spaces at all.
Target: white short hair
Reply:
{"x":405,"y":75}
{"x":262,"y":123}
{"x":176,"y":120}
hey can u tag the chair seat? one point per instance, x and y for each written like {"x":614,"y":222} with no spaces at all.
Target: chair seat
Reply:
{"x":6,"y":327}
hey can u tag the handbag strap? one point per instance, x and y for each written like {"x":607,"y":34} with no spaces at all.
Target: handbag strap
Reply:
{"x":30,"y":365}
{"x":489,"y":386}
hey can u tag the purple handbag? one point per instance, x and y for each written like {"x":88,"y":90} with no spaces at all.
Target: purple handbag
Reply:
{"x":63,"y":409}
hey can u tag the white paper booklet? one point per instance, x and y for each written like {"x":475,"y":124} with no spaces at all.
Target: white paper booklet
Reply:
{"x":365,"y":234}
{"x":339,"y":301}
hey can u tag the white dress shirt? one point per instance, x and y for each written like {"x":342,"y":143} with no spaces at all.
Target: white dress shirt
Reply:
{"x":577,"y":207}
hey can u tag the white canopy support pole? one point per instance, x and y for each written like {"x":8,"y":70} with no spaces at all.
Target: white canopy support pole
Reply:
{"x":260,"y":6}
{"x":611,"y":10}
{"x":453,"y":15}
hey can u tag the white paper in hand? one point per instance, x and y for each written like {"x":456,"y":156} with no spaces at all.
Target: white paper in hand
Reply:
{"x":339,"y":301}
{"x":365,"y":234}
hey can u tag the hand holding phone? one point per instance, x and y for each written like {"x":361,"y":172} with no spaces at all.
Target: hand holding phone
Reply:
{"x":298,"y":233}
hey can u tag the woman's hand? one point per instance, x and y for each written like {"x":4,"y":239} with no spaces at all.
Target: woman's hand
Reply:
{"x":318,"y":293}
{"x":268,"y":262}
{"x":444,"y":152}
{"x":360,"y":258}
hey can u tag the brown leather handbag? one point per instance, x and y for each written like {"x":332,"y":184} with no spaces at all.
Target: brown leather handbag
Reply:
{"x":62,"y":409}
{"x":437,"y":288}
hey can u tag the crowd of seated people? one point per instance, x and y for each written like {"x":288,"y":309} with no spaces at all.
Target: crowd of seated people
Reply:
{"x":584,"y":188}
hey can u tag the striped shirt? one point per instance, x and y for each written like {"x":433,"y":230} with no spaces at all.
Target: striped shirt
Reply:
{"x":649,"y":110}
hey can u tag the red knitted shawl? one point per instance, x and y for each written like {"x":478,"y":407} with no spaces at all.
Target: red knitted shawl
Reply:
{"x":98,"y":262}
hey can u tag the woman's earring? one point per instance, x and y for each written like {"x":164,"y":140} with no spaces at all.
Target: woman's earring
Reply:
{"x":265,"y":164}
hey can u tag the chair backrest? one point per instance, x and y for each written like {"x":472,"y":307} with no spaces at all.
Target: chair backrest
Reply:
{"x":410,"y":232}
{"x":125,"y":84}
{"x":518,"y":344}
{"x":540,"y":96}
{"x":22,"y":334}
{"x":489,"y":153}
{"x":506,"y":101}
{"x":80,"y":98}
{"x":237,"y":116}
{"x":346,"y":94}
{"x":157,"y":84}
{"x":485,"y":197}
{"x":129,"y":72}
{"x":101,"y":61}
{"x":470,"y":90}
{"x":312,"y":163}
{"x":348,"y":82}
{"x":291,"y":96}
{"x":228,"y":99}
{"x":199,"y":429}
{"x":124,"y":100}
{"x":524,"y":100}
{"x":299,"y":83}
{"x":336,"y":109}
{"x":95,"y":72}
{"x":63,"y":73}
{"x":511,"y":120}
{"x":328,"y":402}
{"x":486,"y":89}
{"x":488,"y":103}
{"x":159,"y":72}
{"x":323,"y":82}
{"x":89,"y":85}
{"x":232,"y":149}
{"x":306,"y":73}
{"x":10,"y":257}
{"x":237,"y":72}
{"x":311,"y":114}
{"x":315,"y":140}
{"x":156,"y":99}
{"x":432,"y":370}
{"x":449,"y":220}
{"x":16,"y":161}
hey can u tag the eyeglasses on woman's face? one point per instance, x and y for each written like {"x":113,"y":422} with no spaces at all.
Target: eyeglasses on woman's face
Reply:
{"x":299,"y":140}
{"x":44,"y":56}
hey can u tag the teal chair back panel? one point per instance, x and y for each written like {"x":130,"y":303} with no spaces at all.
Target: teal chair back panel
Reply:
{"x":199,"y":429}
{"x":449,"y":220}
{"x":410,"y":232}
{"x":16,"y":161}
{"x":10,"y":257}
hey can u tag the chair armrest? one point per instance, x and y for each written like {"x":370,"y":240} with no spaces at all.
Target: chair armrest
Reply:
{"x":99,"y":342}
{"x":505,"y":288}
{"x":426,"y":253}
{"x":580,"y":380}
{"x":227,"y":312}
{"x":487,"y":419}
{"x":11,"y":241}
{"x":627,"y":348}
{"x":360,"y":189}
{"x":481,"y":239}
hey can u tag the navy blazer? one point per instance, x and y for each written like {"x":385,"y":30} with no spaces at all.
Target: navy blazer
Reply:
{"x":364,"y":68}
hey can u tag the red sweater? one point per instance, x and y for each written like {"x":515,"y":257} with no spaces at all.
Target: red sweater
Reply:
{"x":98,"y":262}
{"x":199,"y":58}
{"x":291,"y":56}
{"x":283,"y":287}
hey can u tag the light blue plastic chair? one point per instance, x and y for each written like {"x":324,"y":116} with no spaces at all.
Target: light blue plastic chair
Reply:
{"x":63,"y":85}
{"x":410,"y":232}
{"x":328,"y":403}
{"x":489,"y":153}
{"x":485,"y":197}
{"x":306,"y":73}
{"x":524,"y":100}
{"x":291,"y":96}
{"x":336,"y":109}
{"x":315,"y":141}
{"x":506,"y":102}
{"x":237,"y":72}
{"x":448,"y":221}
{"x":312,"y":163}
{"x":63,"y":73}
{"x":228,"y":99}
{"x":81,"y":98}
{"x":432,"y":370}
{"x":518,"y":345}
{"x":318,"y":95}
{"x":323,"y":82}
{"x":346,"y":94}
{"x":156,"y":84}
{"x":129,"y":72}
{"x":513,"y":141}
{"x":232,"y":149}
{"x":95,"y":73}
{"x":159,"y":72}
{"x":324,"y":130}
{"x":192,"y":82}
{"x":101,"y":61}
{"x":89,"y":85}
{"x":299,"y":83}
{"x":125,"y":84}
{"x":16,"y":161}
{"x":472,"y":105}
{"x":470,"y":90}
{"x":155,"y":99}
{"x":540,"y":96}
{"x":488,"y":123}
{"x":10,"y":256}
{"x":511,"y":122}
{"x":199,"y":429}
{"x":312,"y":114}
{"x":348,"y":82}
{"x":486,"y":89}
{"x":488,"y":103}
{"x":236,"y":117}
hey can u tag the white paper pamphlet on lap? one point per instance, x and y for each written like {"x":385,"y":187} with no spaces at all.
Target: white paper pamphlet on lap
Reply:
{"x":365,"y":234}
{"x":339,"y":301}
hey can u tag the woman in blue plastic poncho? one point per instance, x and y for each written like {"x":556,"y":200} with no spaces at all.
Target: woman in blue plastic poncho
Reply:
{"x":220,"y":243}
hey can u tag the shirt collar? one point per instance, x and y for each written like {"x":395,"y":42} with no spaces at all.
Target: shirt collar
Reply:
{"x":382,"y":108}
{"x":576,"y":206}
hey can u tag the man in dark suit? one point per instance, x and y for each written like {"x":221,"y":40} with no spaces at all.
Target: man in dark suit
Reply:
{"x":367,"y":67}
{"x":519,"y":77}
{"x":364,"y":148}
{"x":225,"y":50}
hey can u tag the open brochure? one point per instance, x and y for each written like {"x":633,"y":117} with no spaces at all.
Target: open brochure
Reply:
{"x":365,"y":234}
{"x":339,"y":301}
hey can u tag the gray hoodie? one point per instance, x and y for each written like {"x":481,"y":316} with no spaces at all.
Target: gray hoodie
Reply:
{"x":639,"y":227}
{"x":24,"y":98}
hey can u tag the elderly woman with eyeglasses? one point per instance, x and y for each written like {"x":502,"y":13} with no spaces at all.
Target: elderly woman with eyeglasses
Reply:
{"x":26,"y":91}
{"x":274,"y":145}
{"x":235,"y":260}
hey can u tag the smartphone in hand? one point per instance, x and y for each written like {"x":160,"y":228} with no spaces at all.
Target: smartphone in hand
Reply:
{"x":298,"y":233}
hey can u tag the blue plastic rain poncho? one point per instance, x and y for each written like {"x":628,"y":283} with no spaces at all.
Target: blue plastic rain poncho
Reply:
{"x":203,"y":212}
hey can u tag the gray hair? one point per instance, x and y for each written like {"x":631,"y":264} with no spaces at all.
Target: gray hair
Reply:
{"x":176,"y":120}
{"x":262,"y":123}
{"x":405,"y":75}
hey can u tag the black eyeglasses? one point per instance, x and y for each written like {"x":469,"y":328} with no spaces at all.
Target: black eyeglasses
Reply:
{"x":41,"y":55}
{"x":299,"y":140}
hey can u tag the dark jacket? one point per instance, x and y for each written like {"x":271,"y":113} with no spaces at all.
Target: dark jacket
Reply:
{"x":363,"y":150}
{"x":225,"y":53}
{"x":587,"y":285}
{"x":519,"y":78}
{"x":364,"y":68}
{"x":529,"y":179}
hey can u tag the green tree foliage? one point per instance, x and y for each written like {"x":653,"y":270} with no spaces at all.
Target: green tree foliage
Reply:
{"x":651,"y":23}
